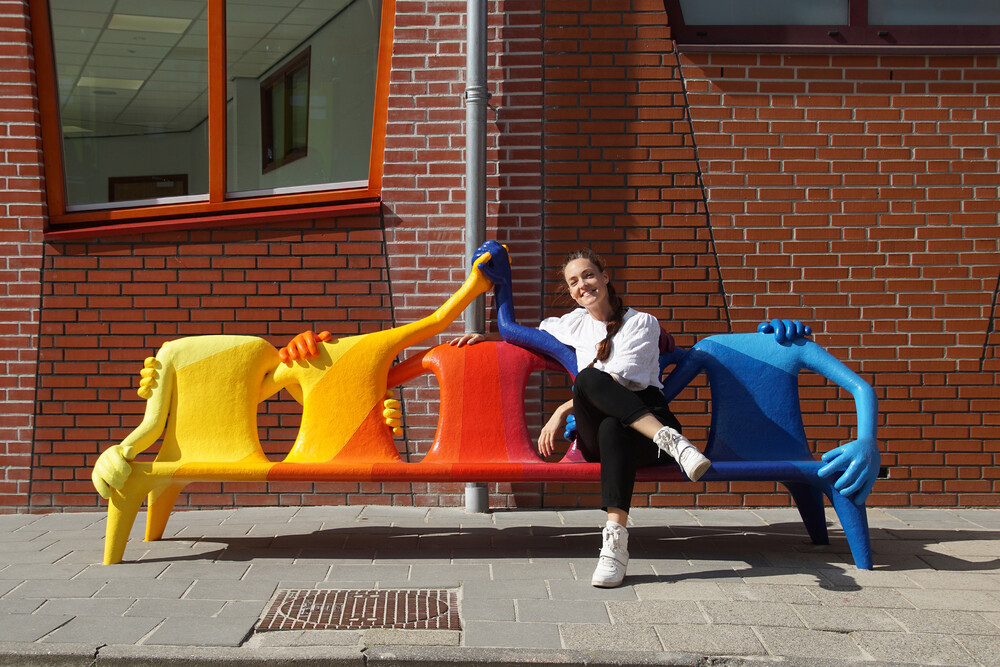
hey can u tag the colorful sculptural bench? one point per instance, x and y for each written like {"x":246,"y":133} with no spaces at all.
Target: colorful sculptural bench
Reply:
{"x":202,"y":395}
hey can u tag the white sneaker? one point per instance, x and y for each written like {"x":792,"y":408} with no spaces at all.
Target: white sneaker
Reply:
{"x":692,"y":462}
{"x":614,"y":557}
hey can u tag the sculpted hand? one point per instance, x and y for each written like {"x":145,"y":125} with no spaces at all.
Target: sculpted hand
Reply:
{"x":303,"y":346}
{"x":570,"y":432}
{"x":112,"y":469}
{"x":470,"y":339}
{"x":859,"y":462}
{"x":392,"y":413}
{"x":785,"y":331}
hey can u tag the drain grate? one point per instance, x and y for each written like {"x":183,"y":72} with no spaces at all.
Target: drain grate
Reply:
{"x":310,"y":609}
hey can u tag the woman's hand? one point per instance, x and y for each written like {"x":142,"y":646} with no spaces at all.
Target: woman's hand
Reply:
{"x":553,"y":429}
{"x":547,"y":438}
{"x":471,"y":339}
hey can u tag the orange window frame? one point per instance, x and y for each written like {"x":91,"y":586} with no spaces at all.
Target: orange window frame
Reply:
{"x":218,"y":208}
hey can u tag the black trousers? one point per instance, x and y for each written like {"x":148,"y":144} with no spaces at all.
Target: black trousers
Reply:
{"x":604,"y":409}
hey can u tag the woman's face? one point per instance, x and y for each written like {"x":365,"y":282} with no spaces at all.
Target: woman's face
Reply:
{"x":587,"y":284}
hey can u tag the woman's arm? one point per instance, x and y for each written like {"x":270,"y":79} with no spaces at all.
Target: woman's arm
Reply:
{"x":553,"y":428}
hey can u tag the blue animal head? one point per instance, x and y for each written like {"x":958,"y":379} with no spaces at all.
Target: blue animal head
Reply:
{"x":497,"y":269}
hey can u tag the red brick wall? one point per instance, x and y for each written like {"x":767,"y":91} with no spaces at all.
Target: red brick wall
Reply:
{"x":22,"y":213}
{"x":722,"y":189}
{"x":110,"y":303}
{"x":860,"y":193}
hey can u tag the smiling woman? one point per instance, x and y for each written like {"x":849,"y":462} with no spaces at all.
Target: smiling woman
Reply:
{"x":180,"y":100}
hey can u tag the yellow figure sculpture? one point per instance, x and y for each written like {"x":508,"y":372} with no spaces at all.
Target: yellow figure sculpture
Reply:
{"x":202,"y":394}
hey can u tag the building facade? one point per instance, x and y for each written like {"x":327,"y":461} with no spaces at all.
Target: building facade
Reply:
{"x":856,"y":190}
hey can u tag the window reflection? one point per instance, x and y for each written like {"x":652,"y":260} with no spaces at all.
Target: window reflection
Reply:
{"x":133,"y":80}
{"x":264,"y":38}
{"x":933,"y":12}
{"x":764,"y":12}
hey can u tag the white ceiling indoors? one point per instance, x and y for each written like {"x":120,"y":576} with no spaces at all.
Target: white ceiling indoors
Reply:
{"x":130,"y":67}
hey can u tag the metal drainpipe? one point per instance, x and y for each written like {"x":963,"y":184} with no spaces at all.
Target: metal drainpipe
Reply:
{"x":476,"y":98}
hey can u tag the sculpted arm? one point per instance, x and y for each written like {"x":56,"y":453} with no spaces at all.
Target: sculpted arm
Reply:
{"x":858,"y":461}
{"x":112,"y":468}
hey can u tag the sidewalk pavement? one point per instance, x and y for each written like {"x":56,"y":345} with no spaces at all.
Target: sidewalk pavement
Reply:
{"x":704,"y":587}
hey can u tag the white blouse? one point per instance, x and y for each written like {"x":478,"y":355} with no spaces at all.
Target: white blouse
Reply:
{"x":635,"y":349}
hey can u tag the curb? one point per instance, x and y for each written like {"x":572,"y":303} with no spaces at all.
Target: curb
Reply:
{"x":82,"y":655}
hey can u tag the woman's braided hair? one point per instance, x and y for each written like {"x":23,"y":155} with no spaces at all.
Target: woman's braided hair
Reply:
{"x":619,"y":308}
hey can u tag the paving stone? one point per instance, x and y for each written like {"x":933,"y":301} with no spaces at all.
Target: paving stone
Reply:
{"x":751,"y":613}
{"x":624,"y":637}
{"x":504,"y":518}
{"x":944,"y":622}
{"x":217,"y":589}
{"x":565,"y":589}
{"x":200,"y":632}
{"x":846,"y":619}
{"x":501,"y":634}
{"x":195,"y":570}
{"x":726,"y":517}
{"x":164,"y":608}
{"x":305,"y":571}
{"x":562,"y":611}
{"x":327,"y":513}
{"x":861,"y":597}
{"x":681,"y":590}
{"x":989,"y":519}
{"x":352,"y":572}
{"x":25,"y":571}
{"x":50,"y":555}
{"x":963,"y":600}
{"x":878,"y":578}
{"x":487,"y":610}
{"x":984,"y":649}
{"x":989,"y":564}
{"x":56,"y":588}
{"x":655,"y":612}
{"x":504,"y":590}
{"x":768,"y":592}
{"x":796,"y":642}
{"x":397,"y":637}
{"x":250,"y":610}
{"x":31,"y":627}
{"x":784,"y":576}
{"x":146,"y":589}
{"x":950,"y":580}
{"x":86,"y":607}
{"x":15,"y":606}
{"x":921,"y":649}
{"x":547,"y":569}
{"x":123,"y":570}
{"x":97,"y":630}
{"x":12,"y":522}
{"x":710,"y":640}
{"x":423,"y":571}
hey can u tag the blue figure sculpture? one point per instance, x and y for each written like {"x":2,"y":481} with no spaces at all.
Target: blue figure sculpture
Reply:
{"x":756,"y":417}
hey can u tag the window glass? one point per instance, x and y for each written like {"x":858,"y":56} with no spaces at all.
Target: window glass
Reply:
{"x":765,"y":12}
{"x":933,"y":12}
{"x":325,"y":120}
{"x":132,"y":84}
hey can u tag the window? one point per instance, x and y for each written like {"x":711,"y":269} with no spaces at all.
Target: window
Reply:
{"x":284,"y":105}
{"x":200,"y":91}
{"x":896,"y":25}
